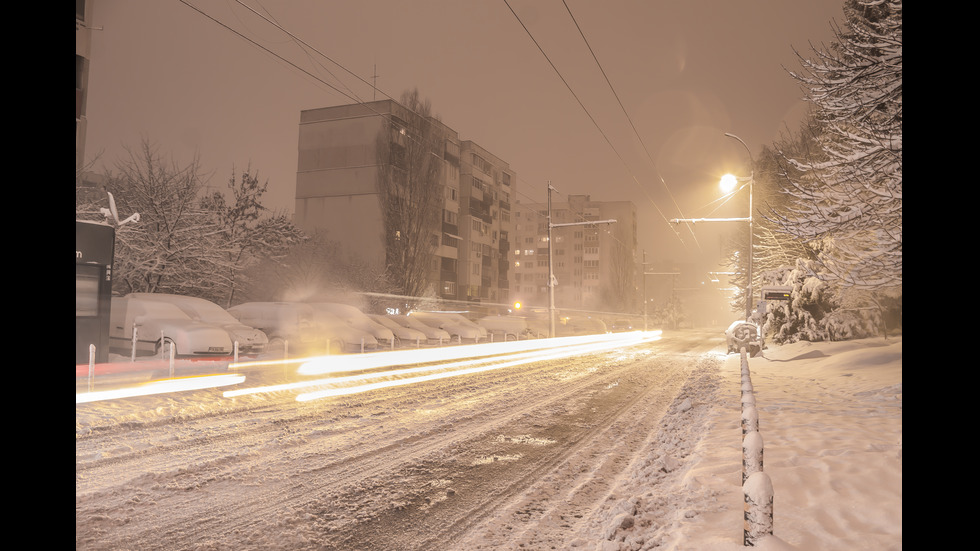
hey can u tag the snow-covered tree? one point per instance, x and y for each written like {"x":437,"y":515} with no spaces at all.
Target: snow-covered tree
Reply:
{"x":186,"y":242}
{"x":175,"y":236}
{"x":815,"y":312}
{"x":409,"y":187}
{"x":248,"y":233}
{"x":847,"y":192}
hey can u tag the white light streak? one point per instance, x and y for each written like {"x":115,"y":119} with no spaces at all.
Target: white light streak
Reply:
{"x":621,"y":339}
{"x":162,"y":386}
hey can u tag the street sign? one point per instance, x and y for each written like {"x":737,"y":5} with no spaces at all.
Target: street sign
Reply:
{"x":776,"y":293}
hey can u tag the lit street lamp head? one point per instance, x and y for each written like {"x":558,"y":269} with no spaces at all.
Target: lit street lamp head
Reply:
{"x":728,"y":183}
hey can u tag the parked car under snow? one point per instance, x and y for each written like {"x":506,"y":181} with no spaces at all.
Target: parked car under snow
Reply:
{"x":159,"y":326}
{"x":744,"y":334}
{"x":250,"y":340}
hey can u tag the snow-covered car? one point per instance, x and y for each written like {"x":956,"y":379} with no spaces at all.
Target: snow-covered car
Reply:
{"x":341,"y":336}
{"x":620,"y":325}
{"x":509,"y":328}
{"x":432,"y":333}
{"x":743,"y":333}
{"x":579,"y":325}
{"x":250,"y":340}
{"x":404,"y":335}
{"x":359,"y":320}
{"x":457,"y":326}
{"x":160,"y":325}
{"x":284,"y":323}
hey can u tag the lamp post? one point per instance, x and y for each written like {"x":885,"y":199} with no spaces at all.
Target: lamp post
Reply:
{"x":748,"y":296}
{"x":551,"y":269}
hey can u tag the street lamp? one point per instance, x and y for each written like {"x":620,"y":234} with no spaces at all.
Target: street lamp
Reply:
{"x":748,"y":296}
{"x":729,"y":181}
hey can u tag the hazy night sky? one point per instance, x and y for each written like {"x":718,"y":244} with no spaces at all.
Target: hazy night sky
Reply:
{"x":686,"y":72}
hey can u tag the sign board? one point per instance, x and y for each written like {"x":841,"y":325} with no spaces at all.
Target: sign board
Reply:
{"x":776,"y":292}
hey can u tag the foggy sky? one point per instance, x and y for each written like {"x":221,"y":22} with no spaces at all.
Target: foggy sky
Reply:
{"x":685,"y":71}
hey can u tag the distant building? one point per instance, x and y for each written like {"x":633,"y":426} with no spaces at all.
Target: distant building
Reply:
{"x":83,"y":49}
{"x":594,"y":266}
{"x":337,"y":196}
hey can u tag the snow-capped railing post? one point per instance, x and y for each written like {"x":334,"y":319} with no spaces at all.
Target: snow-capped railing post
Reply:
{"x":91,"y":367}
{"x":756,"y":486}
{"x":362,"y":345}
{"x":418,"y":343}
{"x":171,"y":348}
{"x":750,"y":420}
{"x":751,"y":454}
{"x":132,"y":356}
{"x":758,"y":508}
{"x":392,"y":343}
{"x":235,"y":356}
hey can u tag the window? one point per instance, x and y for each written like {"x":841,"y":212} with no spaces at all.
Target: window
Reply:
{"x":86,"y":291}
{"x":449,"y":288}
{"x":592,"y":250}
{"x":449,"y":217}
{"x":591,"y":263}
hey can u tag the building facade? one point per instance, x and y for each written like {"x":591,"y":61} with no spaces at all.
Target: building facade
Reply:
{"x":338,"y":197}
{"x":83,"y":49}
{"x":594,"y":266}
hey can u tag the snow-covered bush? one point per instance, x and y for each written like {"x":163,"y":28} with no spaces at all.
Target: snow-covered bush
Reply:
{"x":815,"y":311}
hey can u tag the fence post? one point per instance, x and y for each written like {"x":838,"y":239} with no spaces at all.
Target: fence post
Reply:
{"x":750,"y":420}
{"x":758,"y":508}
{"x":751,"y":454}
{"x":91,"y":367}
{"x":132,"y":357}
{"x":171,"y":347}
{"x":236,"y":352}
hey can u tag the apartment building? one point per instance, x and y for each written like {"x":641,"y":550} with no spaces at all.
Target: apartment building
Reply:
{"x":338,"y":197}
{"x":83,"y":50}
{"x":594,"y":266}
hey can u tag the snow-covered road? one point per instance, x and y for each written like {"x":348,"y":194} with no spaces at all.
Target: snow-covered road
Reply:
{"x":531,"y":456}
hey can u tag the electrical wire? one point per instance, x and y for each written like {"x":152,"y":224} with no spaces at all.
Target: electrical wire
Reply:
{"x":591,"y":118}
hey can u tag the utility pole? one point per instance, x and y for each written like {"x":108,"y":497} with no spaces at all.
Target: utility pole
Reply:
{"x":751,"y":181}
{"x":644,"y":289}
{"x":551,"y":268}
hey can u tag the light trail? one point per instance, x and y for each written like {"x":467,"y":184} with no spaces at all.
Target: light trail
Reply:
{"x":547,"y":354}
{"x":522,"y":354}
{"x":360,"y":362}
{"x":162,"y":386}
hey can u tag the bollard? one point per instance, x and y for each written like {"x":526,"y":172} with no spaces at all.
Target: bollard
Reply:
{"x":133,"y":356}
{"x":236,"y":352}
{"x":392,"y":343}
{"x":751,"y":454}
{"x":750,"y":420}
{"x":171,"y":347}
{"x":362,"y":345}
{"x":418,"y":343}
{"x":748,"y":399}
{"x":758,"y":508}
{"x":91,"y":367}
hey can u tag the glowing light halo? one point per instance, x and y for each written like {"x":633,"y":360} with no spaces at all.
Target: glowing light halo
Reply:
{"x":636,"y":338}
{"x":535,"y":354}
{"x":162,"y":386}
